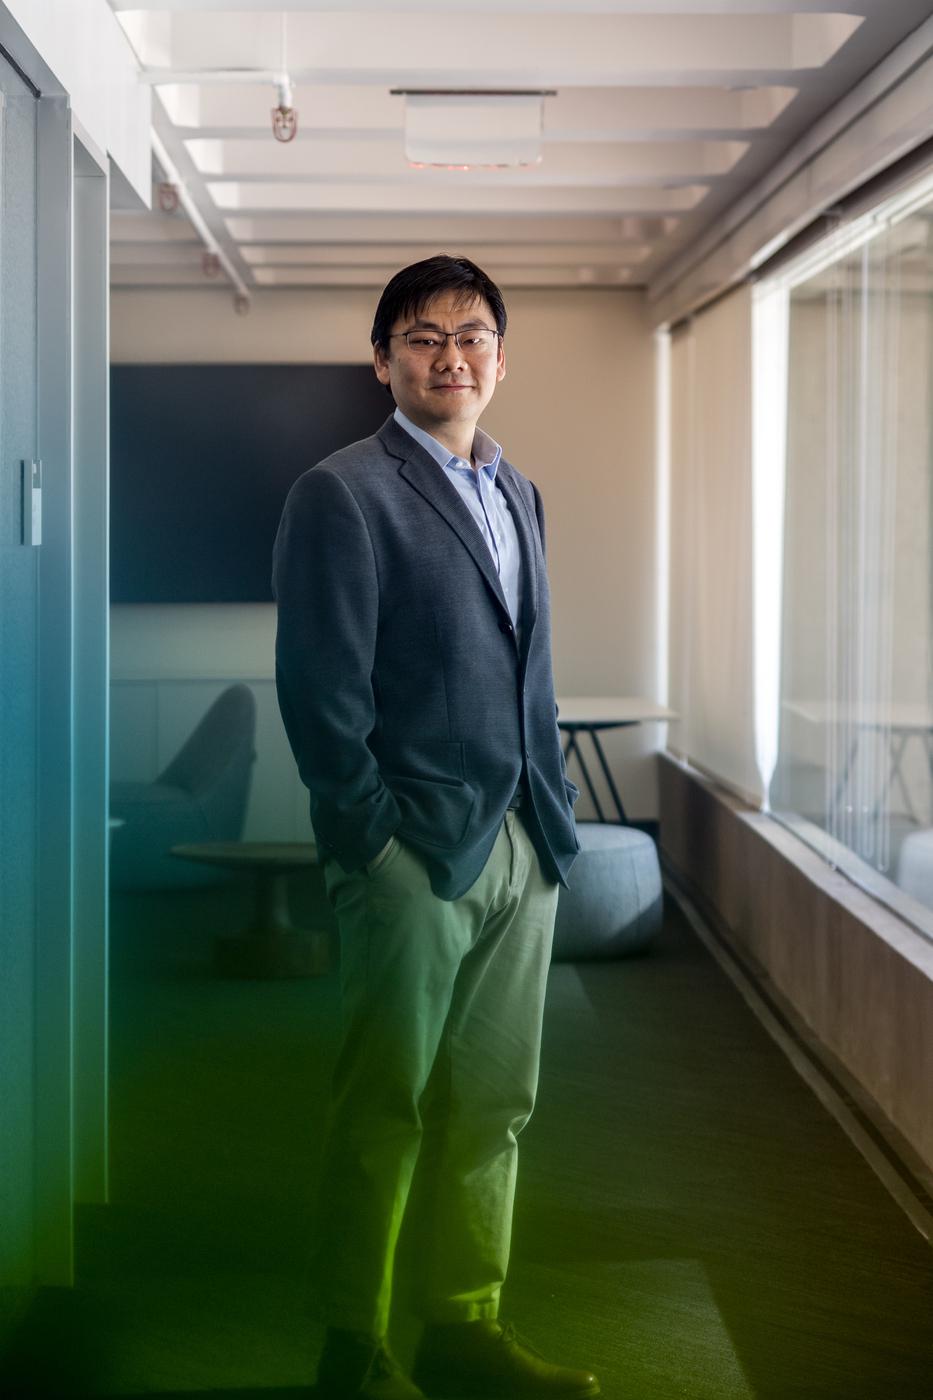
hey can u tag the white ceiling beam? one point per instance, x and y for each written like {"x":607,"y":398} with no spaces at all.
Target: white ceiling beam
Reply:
{"x":656,"y":111}
{"x":132,"y":227}
{"x":564,"y":164}
{"x":666,"y":112}
{"x":878,"y":121}
{"x":590,"y":113}
{"x":156,"y":275}
{"x":506,"y":276}
{"x":196,"y":218}
{"x":201,"y":212}
{"x":439,"y":230}
{"x":454,"y":198}
{"x":494,"y":49}
{"x":504,"y":255}
{"x":345,"y":106}
{"x":137,"y":254}
{"x":608,"y":7}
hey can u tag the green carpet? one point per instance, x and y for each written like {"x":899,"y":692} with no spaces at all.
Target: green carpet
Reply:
{"x":690,"y":1222}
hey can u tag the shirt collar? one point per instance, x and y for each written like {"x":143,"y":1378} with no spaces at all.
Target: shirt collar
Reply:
{"x":486,"y":452}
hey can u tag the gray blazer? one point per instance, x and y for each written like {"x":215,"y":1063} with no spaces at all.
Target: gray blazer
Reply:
{"x":408,"y":705}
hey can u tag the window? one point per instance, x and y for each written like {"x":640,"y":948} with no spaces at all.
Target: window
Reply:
{"x":854,"y":769}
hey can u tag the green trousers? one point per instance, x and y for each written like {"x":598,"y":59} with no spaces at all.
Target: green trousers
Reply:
{"x":442,"y":1004}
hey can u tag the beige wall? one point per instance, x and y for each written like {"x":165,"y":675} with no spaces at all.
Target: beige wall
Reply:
{"x":156,"y":327}
{"x":574,"y":413}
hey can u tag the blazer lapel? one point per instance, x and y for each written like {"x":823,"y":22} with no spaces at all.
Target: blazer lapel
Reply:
{"x":422,"y":472}
{"x":524,"y":528}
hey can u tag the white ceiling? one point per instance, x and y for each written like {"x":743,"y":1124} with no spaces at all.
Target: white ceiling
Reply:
{"x":664,"y":113}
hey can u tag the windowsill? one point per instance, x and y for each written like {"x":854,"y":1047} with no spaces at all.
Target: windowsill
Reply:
{"x":857,"y":972}
{"x":837,"y":858}
{"x":872,"y":882}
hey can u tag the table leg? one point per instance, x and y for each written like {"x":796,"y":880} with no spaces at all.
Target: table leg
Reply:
{"x":842,"y":787}
{"x":608,"y":776}
{"x":270,"y":946}
{"x":574,"y":747}
{"x":928,"y":745}
{"x":897,"y":775}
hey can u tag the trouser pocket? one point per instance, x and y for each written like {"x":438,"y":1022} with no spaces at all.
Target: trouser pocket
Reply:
{"x":373,"y":865}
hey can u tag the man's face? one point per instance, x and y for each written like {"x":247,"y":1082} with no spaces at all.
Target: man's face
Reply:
{"x":450,"y":386}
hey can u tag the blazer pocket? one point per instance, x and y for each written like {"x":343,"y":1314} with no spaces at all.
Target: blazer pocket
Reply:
{"x":426,"y":780}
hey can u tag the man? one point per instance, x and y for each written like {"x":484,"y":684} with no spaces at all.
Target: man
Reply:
{"x":414,"y":674}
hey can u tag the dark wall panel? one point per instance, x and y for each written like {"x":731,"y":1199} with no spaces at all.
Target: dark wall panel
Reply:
{"x":202,"y":458}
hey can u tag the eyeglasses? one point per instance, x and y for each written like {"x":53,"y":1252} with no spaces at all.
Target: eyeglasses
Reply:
{"x":475,"y":344}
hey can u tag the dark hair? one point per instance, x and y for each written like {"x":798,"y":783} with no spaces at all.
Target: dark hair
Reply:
{"x":415,"y":287}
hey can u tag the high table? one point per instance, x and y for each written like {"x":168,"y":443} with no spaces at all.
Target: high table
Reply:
{"x":590,"y":714}
{"x":270,"y":946}
{"x":900,"y":721}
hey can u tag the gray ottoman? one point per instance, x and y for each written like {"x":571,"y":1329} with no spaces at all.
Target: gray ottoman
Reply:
{"x":915,"y":866}
{"x":612,"y":905}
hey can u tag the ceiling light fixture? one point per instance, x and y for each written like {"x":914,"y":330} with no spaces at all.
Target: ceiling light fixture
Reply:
{"x":472,"y":129}
{"x":168,"y":198}
{"x":284,"y":116}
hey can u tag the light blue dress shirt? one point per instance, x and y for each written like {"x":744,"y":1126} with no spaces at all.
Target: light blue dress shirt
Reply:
{"x":486,"y":504}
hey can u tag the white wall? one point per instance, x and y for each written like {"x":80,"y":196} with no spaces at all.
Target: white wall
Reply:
{"x":81,"y":42}
{"x":574,"y":413}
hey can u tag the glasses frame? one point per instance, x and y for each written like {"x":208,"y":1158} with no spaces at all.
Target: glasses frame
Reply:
{"x":444,"y":336}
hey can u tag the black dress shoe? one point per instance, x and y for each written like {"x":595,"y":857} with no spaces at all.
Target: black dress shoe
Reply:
{"x":355,"y":1366}
{"x":486,"y":1361}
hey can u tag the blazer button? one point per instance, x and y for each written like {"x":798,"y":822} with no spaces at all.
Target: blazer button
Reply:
{"x":505,"y":627}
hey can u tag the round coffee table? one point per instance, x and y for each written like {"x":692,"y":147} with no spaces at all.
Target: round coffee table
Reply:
{"x":270,"y":946}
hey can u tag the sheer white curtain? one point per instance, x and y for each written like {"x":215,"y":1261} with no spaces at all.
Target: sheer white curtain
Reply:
{"x":862,"y":319}
{"x":711,"y":588}
{"x":802,"y":552}
{"x":856,"y":743}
